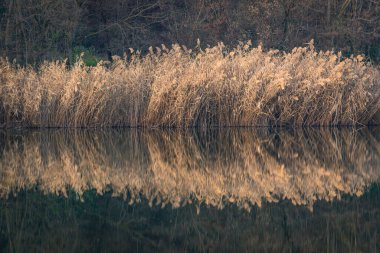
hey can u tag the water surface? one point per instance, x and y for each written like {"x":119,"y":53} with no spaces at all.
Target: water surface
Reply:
{"x":220,"y":190}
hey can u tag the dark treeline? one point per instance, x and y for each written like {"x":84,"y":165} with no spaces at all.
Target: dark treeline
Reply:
{"x":35,"y":30}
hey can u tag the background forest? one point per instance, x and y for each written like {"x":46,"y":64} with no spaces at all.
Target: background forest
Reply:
{"x":35,"y":30}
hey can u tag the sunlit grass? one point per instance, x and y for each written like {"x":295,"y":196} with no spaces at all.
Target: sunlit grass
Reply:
{"x":179,"y":87}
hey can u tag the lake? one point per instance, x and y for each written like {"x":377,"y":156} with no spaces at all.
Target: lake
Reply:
{"x":214,"y":190}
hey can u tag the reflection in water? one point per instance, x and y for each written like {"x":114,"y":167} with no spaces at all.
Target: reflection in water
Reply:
{"x":33,"y":222}
{"x":217,"y":167}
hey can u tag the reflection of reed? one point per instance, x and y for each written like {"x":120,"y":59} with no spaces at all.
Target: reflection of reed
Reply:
{"x":214,"y":167}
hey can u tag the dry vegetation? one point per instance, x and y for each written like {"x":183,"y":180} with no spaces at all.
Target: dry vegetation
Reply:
{"x":182,"y":88}
{"x":223,"y":167}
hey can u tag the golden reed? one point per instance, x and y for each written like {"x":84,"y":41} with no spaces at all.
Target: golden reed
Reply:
{"x":179,"y":87}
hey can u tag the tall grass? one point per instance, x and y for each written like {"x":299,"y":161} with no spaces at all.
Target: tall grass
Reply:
{"x":179,"y":87}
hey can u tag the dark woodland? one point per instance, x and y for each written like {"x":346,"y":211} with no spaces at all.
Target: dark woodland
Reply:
{"x":32,"y":31}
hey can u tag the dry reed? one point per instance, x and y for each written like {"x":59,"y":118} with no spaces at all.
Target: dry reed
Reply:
{"x":179,"y":87}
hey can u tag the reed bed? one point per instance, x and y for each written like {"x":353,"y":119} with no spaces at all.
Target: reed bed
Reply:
{"x":245,"y":168}
{"x":179,"y":87}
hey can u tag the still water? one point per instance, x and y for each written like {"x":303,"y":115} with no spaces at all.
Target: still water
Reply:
{"x":220,"y":190}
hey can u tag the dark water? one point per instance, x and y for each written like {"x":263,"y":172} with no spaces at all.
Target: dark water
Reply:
{"x":262,"y":190}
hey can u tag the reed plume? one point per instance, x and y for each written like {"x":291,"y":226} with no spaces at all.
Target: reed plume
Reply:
{"x":179,"y":87}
